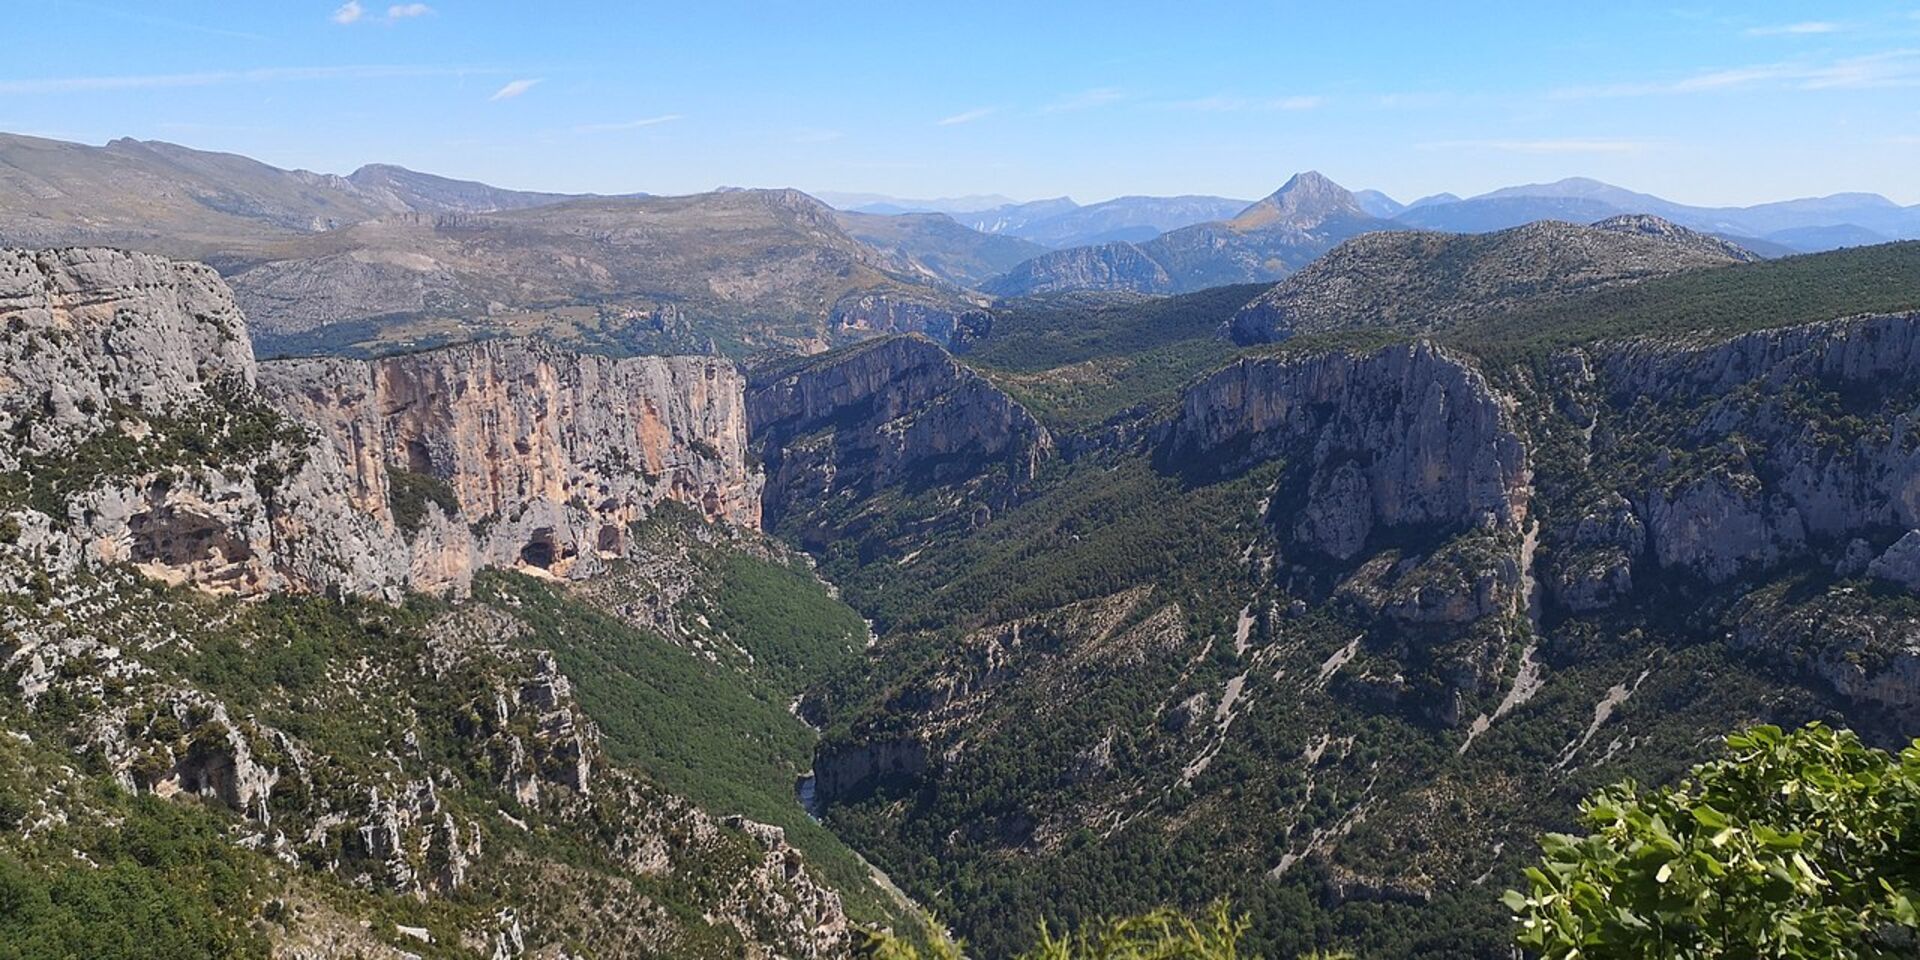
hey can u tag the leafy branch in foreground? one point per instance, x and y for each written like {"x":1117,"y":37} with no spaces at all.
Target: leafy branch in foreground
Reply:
{"x":1803,"y":844}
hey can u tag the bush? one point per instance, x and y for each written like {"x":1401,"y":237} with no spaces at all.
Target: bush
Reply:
{"x":1797,"y":845}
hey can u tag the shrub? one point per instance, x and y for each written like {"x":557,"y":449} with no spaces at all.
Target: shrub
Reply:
{"x":1796,"y":845}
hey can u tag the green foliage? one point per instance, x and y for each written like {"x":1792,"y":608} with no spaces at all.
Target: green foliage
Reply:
{"x":1075,"y":363}
{"x":164,"y":883}
{"x":1795,"y":845}
{"x":409,"y":493}
{"x":796,"y":632}
{"x":1722,"y":302}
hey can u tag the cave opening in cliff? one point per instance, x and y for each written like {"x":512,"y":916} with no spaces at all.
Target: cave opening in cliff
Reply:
{"x":419,"y":458}
{"x":540,"y":551}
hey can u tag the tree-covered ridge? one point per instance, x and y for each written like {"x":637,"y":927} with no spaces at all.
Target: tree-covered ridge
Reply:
{"x":1715,"y":304}
{"x":1076,"y":360}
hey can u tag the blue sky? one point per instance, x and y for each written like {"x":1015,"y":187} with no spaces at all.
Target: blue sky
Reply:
{"x":1700,"y":102}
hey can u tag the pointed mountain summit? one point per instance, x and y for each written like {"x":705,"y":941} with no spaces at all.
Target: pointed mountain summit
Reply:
{"x":1263,"y":243}
{"x":1304,"y":202}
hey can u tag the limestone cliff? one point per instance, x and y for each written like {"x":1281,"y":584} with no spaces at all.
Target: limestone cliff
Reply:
{"x":895,"y":410}
{"x":1800,"y":441}
{"x":149,"y":435}
{"x":1406,"y":436}
{"x":547,"y":455}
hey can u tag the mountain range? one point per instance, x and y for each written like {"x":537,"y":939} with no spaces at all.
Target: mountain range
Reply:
{"x":387,"y":258}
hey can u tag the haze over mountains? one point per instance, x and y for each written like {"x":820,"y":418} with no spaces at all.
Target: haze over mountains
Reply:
{"x":385,"y":258}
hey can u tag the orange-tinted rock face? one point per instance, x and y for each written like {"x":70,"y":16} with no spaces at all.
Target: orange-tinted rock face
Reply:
{"x":548,"y":455}
{"x":289,"y":471}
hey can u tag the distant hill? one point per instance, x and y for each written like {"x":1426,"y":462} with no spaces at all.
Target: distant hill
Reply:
{"x":884,"y":204}
{"x":936,"y":246}
{"x":1430,"y":281}
{"x":1805,"y":225}
{"x":389,"y":258}
{"x":1378,"y":204}
{"x":427,"y":192}
{"x":1262,"y":242}
{"x":1130,"y":219}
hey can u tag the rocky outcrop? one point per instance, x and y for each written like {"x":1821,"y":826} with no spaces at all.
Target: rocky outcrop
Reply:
{"x":150,"y":436}
{"x":1407,"y":436}
{"x":1864,"y":651}
{"x":1109,"y":266}
{"x":437,"y":762}
{"x":1797,"y":438}
{"x":547,"y":456}
{"x":1429,"y":281}
{"x":131,"y":383}
{"x":87,"y":331}
{"x":890,"y":411}
{"x":949,"y":322}
{"x":1595,"y":568}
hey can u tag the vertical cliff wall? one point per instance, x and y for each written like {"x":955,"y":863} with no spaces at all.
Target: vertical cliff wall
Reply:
{"x":144,"y":432}
{"x":524,"y":454}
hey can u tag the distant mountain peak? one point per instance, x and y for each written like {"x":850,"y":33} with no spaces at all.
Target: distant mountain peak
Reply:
{"x":1307,"y":200}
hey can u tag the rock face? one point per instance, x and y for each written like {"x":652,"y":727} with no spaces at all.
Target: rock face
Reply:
{"x":89,"y":330}
{"x":131,"y":381}
{"x":1811,"y":439}
{"x":894,"y":410}
{"x":1109,"y":266}
{"x":547,"y":455}
{"x":1428,"y":281}
{"x":945,"y":321}
{"x":150,"y":436}
{"x":1407,"y":436}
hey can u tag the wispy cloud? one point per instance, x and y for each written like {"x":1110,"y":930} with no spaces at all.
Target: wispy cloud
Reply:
{"x":210,"y":78}
{"x":627,"y":124}
{"x":353,"y":12}
{"x":1807,"y":28}
{"x":1893,"y":68}
{"x":1906,"y":140}
{"x":513,"y":89}
{"x":1565,"y":146}
{"x":1225,"y":104}
{"x":1085,"y":100}
{"x":968,"y":116}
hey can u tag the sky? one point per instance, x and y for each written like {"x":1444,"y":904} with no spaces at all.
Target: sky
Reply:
{"x":1710,"y":103}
